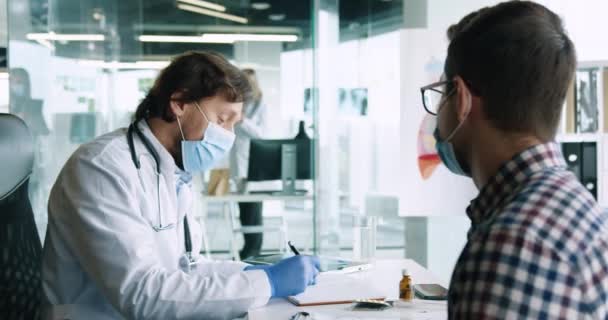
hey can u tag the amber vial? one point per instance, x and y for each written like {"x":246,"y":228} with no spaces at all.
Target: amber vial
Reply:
{"x":405,"y":287}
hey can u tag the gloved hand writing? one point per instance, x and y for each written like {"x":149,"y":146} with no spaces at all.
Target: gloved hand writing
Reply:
{"x":291,"y":276}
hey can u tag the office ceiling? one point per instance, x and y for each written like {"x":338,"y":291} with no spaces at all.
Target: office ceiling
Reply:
{"x":122,"y":21}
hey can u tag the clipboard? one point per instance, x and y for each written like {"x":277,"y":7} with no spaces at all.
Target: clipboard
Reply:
{"x":336,"y":289}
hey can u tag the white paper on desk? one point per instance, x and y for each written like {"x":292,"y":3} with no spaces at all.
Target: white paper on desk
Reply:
{"x":336,"y":288}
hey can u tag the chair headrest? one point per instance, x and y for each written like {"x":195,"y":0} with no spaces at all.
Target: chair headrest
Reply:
{"x":16,"y":153}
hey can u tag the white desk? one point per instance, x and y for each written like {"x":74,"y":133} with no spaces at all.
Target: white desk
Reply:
{"x":385,"y":277}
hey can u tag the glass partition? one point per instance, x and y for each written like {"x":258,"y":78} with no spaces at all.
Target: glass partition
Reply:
{"x":80,"y":68}
{"x":358,"y":79}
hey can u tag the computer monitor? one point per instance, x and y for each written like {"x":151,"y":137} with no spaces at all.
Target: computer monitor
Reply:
{"x":265,"y":159}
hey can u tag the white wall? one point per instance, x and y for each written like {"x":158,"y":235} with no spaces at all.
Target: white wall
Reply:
{"x":446,"y":236}
{"x":586,"y":24}
{"x":585,"y":21}
{"x":422,"y":55}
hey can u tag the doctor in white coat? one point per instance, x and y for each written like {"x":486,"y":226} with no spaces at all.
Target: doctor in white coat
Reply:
{"x":121,"y":240}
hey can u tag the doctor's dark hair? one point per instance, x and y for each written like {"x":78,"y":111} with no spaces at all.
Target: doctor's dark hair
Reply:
{"x":517,"y":57}
{"x":195,"y":75}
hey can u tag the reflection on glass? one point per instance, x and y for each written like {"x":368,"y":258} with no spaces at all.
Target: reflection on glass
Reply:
{"x":359,"y":89}
{"x":81,"y":67}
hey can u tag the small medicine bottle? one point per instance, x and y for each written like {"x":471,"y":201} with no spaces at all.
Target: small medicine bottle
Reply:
{"x":405,"y":287}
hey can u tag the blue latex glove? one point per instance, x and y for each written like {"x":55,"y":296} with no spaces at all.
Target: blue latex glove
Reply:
{"x":291,"y":276}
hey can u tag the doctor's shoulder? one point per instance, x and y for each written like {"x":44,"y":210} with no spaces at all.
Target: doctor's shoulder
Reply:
{"x":109,"y":151}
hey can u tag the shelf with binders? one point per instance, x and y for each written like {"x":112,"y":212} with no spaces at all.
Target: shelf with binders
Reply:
{"x":583,"y":132}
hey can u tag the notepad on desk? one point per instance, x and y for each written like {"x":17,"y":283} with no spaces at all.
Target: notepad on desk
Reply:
{"x":336,"y":289}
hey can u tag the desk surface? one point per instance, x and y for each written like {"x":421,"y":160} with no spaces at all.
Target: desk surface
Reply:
{"x":254,"y":197}
{"x":385,"y":276}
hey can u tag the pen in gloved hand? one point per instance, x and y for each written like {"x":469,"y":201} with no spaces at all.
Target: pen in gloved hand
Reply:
{"x":293,"y":249}
{"x":291,"y":276}
{"x":301,"y":315}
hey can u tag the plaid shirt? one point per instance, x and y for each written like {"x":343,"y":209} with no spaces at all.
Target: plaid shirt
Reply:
{"x":537,"y":247}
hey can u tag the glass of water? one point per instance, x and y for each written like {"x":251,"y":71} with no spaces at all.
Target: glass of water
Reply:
{"x":364,"y":238}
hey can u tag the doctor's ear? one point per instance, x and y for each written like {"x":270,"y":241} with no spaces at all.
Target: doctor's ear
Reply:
{"x":178,"y":107}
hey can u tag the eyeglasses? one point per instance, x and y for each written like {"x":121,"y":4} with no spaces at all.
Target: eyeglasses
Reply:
{"x":434,"y":94}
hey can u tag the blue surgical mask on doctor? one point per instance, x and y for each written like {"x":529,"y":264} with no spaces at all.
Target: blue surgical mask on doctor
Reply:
{"x":202,"y":155}
{"x":445,"y":147}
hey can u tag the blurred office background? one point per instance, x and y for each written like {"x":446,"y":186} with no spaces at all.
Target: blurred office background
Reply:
{"x":350,"y":69}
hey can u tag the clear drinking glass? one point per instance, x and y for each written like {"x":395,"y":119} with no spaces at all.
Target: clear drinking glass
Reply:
{"x":364,"y":238}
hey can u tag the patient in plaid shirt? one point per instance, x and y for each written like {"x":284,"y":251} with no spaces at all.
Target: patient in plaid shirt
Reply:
{"x":538,"y":244}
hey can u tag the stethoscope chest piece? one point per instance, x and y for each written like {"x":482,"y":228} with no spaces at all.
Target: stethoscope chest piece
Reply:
{"x":186,"y":263}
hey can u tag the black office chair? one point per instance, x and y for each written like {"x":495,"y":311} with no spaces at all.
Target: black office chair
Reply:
{"x":20,"y":247}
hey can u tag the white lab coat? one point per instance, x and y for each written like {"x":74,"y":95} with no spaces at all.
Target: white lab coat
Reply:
{"x":102,"y":258}
{"x":249,"y":128}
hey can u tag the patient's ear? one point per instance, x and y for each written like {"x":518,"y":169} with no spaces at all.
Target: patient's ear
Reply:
{"x":463,"y":99}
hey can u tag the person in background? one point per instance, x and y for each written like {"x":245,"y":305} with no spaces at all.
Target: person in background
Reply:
{"x":538,"y":243}
{"x":250,"y":127}
{"x":20,"y":91}
{"x":31,"y":111}
{"x":22,"y":104}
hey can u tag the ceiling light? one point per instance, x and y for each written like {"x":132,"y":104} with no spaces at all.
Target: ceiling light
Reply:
{"x":260,"y":5}
{"x":179,"y":39}
{"x":98,"y":14}
{"x":219,"y":38}
{"x":51,"y":36}
{"x":149,"y":64}
{"x":205,"y":4}
{"x":212,"y":13}
{"x":234,"y":37}
{"x":124,"y":65}
{"x":276,"y":17}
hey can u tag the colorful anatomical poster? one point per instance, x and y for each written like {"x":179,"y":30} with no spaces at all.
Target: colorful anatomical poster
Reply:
{"x":428,"y":188}
{"x":428,"y":159}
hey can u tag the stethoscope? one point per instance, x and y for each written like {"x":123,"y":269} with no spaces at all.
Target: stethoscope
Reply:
{"x":189,"y":261}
